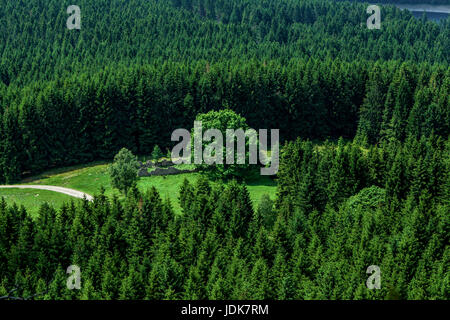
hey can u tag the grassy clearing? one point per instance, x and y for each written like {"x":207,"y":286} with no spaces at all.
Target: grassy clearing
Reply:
{"x":90,"y":178}
{"x":169,"y":186}
{"x":32,"y":199}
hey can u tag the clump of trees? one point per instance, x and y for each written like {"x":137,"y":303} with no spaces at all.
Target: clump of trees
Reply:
{"x":375,"y":193}
{"x":315,"y":100}
{"x":340,"y":208}
{"x":305,"y":67}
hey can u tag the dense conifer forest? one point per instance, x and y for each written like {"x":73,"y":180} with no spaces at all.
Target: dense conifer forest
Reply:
{"x":364,"y":119}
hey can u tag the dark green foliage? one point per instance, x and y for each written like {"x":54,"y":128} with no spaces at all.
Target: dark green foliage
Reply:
{"x":266,"y":213}
{"x":128,"y":80}
{"x":34,"y":138}
{"x":220,"y":248}
{"x":376,"y":193}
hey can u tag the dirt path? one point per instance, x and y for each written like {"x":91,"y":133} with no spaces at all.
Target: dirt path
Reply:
{"x":70,"y":192}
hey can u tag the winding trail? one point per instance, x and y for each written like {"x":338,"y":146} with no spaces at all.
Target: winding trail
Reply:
{"x":70,"y":192}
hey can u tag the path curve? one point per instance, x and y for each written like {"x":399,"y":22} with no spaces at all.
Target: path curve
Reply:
{"x":70,"y":192}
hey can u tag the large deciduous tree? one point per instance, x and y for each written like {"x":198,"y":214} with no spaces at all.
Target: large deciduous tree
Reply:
{"x":123,"y":171}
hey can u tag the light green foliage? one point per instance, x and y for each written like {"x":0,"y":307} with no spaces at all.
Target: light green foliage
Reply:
{"x":32,"y":199}
{"x":223,"y":120}
{"x":156,"y":153}
{"x":123,"y":171}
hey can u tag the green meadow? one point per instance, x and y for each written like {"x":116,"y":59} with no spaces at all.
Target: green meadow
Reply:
{"x":90,"y":178}
{"x":32,"y":199}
